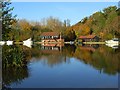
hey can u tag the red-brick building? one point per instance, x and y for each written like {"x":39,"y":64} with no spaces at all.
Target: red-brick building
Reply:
{"x":89,"y":38}
{"x":51,"y":37}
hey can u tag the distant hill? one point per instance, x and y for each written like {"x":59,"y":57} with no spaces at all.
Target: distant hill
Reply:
{"x":102,"y":23}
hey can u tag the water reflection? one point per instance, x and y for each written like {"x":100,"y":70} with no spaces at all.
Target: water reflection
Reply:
{"x":14,"y":63}
{"x":17,"y":58}
{"x":103,"y":58}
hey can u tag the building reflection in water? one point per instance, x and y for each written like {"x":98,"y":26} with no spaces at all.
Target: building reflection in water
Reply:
{"x":16,"y":59}
{"x":52,"y":48}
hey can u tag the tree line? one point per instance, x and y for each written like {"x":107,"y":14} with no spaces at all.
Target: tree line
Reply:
{"x":18,"y":30}
{"x":102,"y":23}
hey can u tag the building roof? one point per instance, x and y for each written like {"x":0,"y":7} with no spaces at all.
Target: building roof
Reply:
{"x":50,"y":34}
{"x":87,"y":37}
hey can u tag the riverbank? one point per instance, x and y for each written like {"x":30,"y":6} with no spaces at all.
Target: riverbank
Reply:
{"x":93,"y":42}
{"x":65,"y":43}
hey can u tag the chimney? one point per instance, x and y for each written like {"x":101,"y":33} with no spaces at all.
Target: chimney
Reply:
{"x":60,"y":36}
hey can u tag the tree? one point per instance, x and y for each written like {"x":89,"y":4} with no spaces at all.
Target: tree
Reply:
{"x":24,"y":25}
{"x":54,"y":24}
{"x":70,"y":35}
{"x":7,"y":19}
{"x":35,"y":32}
{"x":25,"y":29}
{"x":91,"y":31}
{"x":68,"y":22}
{"x":84,"y":20}
{"x":109,"y":10}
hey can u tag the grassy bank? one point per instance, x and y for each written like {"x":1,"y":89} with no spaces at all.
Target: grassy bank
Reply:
{"x":93,"y":42}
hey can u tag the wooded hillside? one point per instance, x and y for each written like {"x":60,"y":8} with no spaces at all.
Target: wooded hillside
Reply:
{"x":105,"y":24}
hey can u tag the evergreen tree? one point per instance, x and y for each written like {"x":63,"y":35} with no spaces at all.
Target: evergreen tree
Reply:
{"x":7,"y":19}
{"x":70,"y":35}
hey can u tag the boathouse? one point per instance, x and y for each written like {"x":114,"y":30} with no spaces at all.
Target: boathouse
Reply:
{"x":89,"y":38}
{"x":51,"y":37}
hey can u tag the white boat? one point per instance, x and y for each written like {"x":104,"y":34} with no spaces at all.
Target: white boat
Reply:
{"x":28,"y":43}
{"x":114,"y":41}
{"x":9,"y":43}
{"x":114,"y":46}
{"x":2,"y":42}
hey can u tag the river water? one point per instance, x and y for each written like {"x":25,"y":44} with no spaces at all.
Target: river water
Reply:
{"x":68,"y":66}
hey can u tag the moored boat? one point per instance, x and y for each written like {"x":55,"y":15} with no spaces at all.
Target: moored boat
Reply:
{"x":2,"y":42}
{"x":28,"y":42}
{"x":114,"y":46}
{"x":114,"y":41}
{"x":9,"y":43}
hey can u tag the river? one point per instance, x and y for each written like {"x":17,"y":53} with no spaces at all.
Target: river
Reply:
{"x":68,"y":66}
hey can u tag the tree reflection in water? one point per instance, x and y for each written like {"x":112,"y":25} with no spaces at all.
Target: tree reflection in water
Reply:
{"x":14,"y":65}
{"x":103,"y":58}
{"x":15,"y":59}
